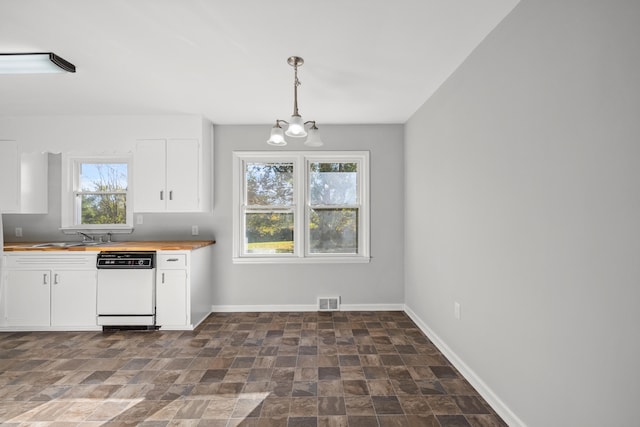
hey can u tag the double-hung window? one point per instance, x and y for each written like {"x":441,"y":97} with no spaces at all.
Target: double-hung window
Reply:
{"x":301,"y":207}
{"x":98,"y":193}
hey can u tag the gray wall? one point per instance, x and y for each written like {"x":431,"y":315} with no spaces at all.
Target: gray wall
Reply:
{"x":523,"y":205}
{"x":378,"y":283}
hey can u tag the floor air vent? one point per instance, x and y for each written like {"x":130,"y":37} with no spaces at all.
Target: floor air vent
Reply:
{"x":329,"y":304}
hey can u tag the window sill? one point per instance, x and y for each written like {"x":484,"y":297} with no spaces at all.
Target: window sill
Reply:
{"x":301,"y":260}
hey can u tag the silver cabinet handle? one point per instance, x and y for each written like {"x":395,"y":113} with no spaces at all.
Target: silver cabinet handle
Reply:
{"x":161,"y":194}
{"x":170,"y":194}
{"x":162,"y":277}
{"x":44,"y":279}
{"x":172,"y":259}
{"x":55,"y":279}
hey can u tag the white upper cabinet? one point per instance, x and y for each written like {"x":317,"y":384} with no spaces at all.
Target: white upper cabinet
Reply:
{"x":172,"y":175}
{"x":150,"y":176}
{"x":183,"y":175}
{"x":9,"y":177}
{"x":23,"y":180}
{"x":34,"y":168}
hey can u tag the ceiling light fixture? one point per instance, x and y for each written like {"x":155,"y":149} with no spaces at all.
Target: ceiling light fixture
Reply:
{"x":28,"y":63}
{"x":295,"y":126}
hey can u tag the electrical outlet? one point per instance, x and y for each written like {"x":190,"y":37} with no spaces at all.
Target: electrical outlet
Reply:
{"x":194,"y":230}
{"x":456,"y":310}
{"x":139,"y":219}
{"x":18,"y":231}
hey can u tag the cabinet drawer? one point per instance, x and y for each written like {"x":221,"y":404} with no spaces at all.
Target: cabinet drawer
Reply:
{"x":50,"y":260}
{"x":171,"y":261}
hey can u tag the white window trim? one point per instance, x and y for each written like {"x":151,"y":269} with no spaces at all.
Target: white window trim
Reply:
{"x":301,"y":160}
{"x":70,"y":164}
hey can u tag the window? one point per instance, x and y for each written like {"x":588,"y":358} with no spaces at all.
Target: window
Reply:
{"x":268,"y":208}
{"x":101,"y":194}
{"x":301,"y":207}
{"x":98,"y":193}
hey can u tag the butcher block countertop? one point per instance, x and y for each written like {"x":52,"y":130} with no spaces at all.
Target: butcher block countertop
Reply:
{"x":160,"y":245}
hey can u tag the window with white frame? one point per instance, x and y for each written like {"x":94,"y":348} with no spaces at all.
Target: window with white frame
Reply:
{"x":98,"y":193}
{"x":301,"y":207}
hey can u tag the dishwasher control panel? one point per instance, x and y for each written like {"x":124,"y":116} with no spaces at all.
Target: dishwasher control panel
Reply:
{"x":126,"y":260}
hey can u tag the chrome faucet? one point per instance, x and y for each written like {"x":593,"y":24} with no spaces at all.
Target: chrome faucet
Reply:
{"x":86,"y":237}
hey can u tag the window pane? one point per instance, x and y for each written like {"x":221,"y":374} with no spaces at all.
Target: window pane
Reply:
{"x":108,"y":177}
{"x":333,"y":183}
{"x":103,"y":208}
{"x":269,"y":184}
{"x":269,"y":233}
{"x":333,"y":231}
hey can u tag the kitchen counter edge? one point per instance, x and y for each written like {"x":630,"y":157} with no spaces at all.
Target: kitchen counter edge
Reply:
{"x":161,"y":245}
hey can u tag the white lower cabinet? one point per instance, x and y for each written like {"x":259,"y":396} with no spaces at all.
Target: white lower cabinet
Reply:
{"x":73,"y":298}
{"x":26,"y":299}
{"x":183,"y":288}
{"x":37,"y":295}
{"x":58,"y":290}
{"x":171,"y":298}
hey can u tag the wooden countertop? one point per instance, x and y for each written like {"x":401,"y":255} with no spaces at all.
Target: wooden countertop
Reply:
{"x":160,"y":245}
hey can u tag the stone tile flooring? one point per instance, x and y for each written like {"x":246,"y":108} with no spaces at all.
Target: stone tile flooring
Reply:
{"x":239,"y":369}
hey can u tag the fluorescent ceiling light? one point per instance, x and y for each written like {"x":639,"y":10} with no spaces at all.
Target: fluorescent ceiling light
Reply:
{"x":29,"y":63}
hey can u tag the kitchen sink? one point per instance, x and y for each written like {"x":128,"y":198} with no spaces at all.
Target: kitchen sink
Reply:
{"x":63,"y":245}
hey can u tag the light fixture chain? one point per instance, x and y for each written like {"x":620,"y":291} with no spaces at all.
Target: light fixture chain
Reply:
{"x":296,"y":83}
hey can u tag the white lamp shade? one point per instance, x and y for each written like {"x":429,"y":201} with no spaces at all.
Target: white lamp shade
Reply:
{"x":313,"y":140}
{"x":296,"y":128}
{"x":277,"y":137}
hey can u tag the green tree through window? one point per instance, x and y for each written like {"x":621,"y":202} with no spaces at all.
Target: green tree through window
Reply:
{"x":102,"y":194}
{"x":333,"y":200}
{"x":269,"y":217}
{"x":301,"y":206}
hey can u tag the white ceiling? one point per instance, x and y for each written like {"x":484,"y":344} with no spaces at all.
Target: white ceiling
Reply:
{"x":366,"y":61}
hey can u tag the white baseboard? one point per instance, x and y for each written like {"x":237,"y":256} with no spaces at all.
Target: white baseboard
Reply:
{"x":303,"y":307}
{"x":372,"y":307}
{"x":258,"y":308}
{"x":481,"y":387}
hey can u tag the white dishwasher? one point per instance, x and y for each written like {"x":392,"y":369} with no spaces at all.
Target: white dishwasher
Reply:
{"x":126,"y":289}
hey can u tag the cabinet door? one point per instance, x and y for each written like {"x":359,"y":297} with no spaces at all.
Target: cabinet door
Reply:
{"x":73,"y":298}
{"x":149,"y":176}
{"x":171,"y":297}
{"x":34,"y":197}
{"x":183,"y":175}
{"x":27,"y":298}
{"x":9,"y":176}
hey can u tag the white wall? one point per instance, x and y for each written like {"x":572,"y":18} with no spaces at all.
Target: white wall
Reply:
{"x":378,"y":284}
{"x":523,"y":205}
{"x":98,"y":134}
{"x":105,"y":133}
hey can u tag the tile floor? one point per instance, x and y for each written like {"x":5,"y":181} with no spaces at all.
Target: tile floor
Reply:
{"x":242,"y":369}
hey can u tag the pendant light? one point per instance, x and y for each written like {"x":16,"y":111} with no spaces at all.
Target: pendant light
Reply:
{"x":296,"y":127}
